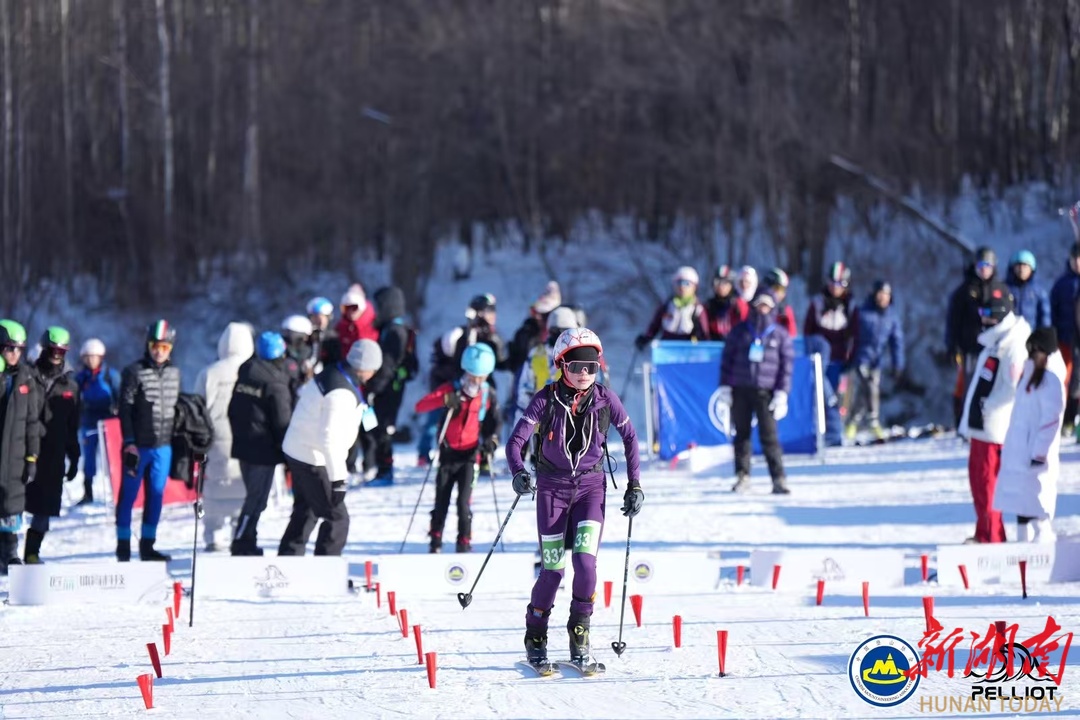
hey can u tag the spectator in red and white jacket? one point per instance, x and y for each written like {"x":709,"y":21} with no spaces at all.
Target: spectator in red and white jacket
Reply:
{"x":725,"y":308}
{"x":680,"y":317}
{"x":776,"y":281}
{"x":357,"y":319}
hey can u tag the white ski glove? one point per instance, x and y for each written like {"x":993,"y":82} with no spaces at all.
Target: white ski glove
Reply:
{"x":725,"y":395}
{"x":778,"y":405}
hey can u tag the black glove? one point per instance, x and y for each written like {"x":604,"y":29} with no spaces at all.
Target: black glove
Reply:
{"x":633,"y":499}
{"x":452,"y":400}
{"x":30,"y":472}
{"x":131,"y":461}
{"x":489,"y":446}
{"x":523,"y":483}
{"x":641,"y":341}
{"x":337,"y":494}
{"x":73,"y":469}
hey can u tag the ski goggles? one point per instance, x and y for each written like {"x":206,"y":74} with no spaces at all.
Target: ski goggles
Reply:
{"x":983,"y":265}
{"x":577,"y":367}
{"x":160,"y":347}
{"x":12,"y":348}
{"x":683,"y":283}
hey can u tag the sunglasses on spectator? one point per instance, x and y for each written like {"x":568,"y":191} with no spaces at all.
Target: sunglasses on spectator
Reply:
{"x":984,"y":265}
{"x":11,"y":348}
{"x":160,"y":347}
{"x":683,"y":283}
{"x":838,"y":283}
{"x":56,"y":352}
{"x":352,"y":308}
{"x":577,"y":367}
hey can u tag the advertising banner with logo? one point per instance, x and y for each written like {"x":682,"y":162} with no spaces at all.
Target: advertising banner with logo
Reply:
{"x":655,"y":573}
{"x":106,"y":582}
{"x":439,"y":575}
{"x":848,"y":569}
{"x":685,"y":380}
{"x":246,"y":578}
{"x":995,"y":563}
{"x":113,"y":441}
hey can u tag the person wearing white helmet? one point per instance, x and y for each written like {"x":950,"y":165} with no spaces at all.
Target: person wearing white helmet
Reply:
{"x":99,"y":391}
{"x":296,"y":332}
{"x":569,"y":420}
{"x":539,"y":368}
{"x":316,"y":445}
{"x":681,"y":316}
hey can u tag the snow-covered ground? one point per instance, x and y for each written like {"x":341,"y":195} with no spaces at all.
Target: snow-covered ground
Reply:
{"x":345,"y":658}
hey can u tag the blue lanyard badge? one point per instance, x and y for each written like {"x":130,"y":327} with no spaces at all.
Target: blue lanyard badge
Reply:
{"x":757,"y":348}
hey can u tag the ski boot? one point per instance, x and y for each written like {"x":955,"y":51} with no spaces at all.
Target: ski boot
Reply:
{"x":536,"y":653}
{"x":742,"y":483}
{"x":464,"y":545}
{"x":436,"y":542}
{"x":148,"y":553}
{"x":580,"y":657}
{"x":383,"y":478}
{"x":9,"y":551}
{"x":779,"y":486}
{"x":879,"y":432}
{"x":123,"y":550}
{"x":32,"y":549}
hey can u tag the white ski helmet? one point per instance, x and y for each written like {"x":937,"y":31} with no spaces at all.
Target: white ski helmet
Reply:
{"x":448,"y":342}
{"x":93,"y":346}
{"x":298,"y":324}
{"x":563,"y":318}
{"x":575,"y":338}
{"x":685,"y":273}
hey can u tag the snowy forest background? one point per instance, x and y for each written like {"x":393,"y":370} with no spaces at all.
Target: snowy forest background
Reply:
{"x":152,"y":145}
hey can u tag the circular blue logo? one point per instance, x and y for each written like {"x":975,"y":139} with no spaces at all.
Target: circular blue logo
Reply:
{"x":877,"y":670}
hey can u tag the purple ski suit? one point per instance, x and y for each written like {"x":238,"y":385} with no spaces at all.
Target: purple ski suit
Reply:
{"x":570,"y":500}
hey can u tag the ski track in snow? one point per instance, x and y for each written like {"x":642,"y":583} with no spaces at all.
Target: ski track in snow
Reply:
{"x":346,"y":658}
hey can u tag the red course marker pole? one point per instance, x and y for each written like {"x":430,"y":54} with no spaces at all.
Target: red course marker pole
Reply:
{"x":925,"y":561}
{"x":154,"y":659}
{"x":740,"y":570}
{"x":721,"y":650}
{"x":964,"y":577}
{"x":676,"y":626}
{"x":866,"y":598}
{"x":928,"y":610}
{"x":419,"y":645}
{"x":775,"y":576}
{"x":820,"y":590}
{"x":1023,"y":577}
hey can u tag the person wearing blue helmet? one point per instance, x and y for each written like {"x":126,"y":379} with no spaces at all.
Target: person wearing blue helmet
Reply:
{"x":259,"y":414}
{"x":324,"y":341}
{"x":472,"y":428}
{"x":1031,"y":301}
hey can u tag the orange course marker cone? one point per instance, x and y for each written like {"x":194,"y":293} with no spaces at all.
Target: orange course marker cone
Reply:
{"x":146,"y":687}
{"x":430,"y":657}
{"x":635,"y":604}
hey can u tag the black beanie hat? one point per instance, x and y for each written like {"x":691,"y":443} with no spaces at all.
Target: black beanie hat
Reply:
{"x":1044,"y":339}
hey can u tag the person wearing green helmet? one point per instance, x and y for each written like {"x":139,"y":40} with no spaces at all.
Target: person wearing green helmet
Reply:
{"x":20,"y":438}
{"x":59,"y":439}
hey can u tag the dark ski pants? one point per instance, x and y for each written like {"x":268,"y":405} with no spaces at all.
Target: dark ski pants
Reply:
{"x":984,"y":462}
{"x":453,"y":473}
{"x":258,"y":480}
{"x":313,"y":499}
{"x":864,"y":395}
{"x":746,"y":403}
{"x":387,"y":406}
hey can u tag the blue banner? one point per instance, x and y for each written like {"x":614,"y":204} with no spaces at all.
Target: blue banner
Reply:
{"x":686,"y":380}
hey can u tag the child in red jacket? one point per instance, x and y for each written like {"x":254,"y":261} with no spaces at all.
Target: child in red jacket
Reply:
{"x":471,"y":427}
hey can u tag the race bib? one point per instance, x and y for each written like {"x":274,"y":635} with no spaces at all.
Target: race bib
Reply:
{"x":553,"y":551}
{"x":587,"y":538}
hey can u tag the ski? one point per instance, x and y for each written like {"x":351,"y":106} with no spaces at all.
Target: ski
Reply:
{"x":583,"y":669}
{"x":544,"y":669}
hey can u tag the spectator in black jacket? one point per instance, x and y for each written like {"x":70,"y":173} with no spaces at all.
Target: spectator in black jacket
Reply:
{"x":259,"y":415}
{"x":20,"y":437}
{"x":963,"y":324}
{"x":387,"y":387}
{"x":533,"y":331}
{"x":59,"y":439}
{"x":149,"y":391}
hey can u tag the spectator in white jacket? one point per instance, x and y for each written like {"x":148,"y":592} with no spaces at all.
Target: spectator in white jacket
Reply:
{"x":316,"y":446}
{"x":223,"y":487}
{"x":989,"y":403}
{"x":1029,"y":460}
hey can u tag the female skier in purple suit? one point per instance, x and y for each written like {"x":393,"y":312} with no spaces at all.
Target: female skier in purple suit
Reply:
{"x":570,"y":418}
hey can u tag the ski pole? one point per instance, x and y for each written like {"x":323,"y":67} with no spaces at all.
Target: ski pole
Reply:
{"x":619,"y":646}
{"x":434,"y":462}
{"x":196,"y":469}
{"x":466,"y":598}
{"x":494,"y":494}
{"x":629,"y":374}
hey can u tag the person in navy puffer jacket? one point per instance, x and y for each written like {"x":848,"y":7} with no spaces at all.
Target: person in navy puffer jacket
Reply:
{"x":877,"y":331}
{"x":1030,"y":299}
{"x":99,"y":388}
{"x":1063,"y":297}
{"x":755,"y":379}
